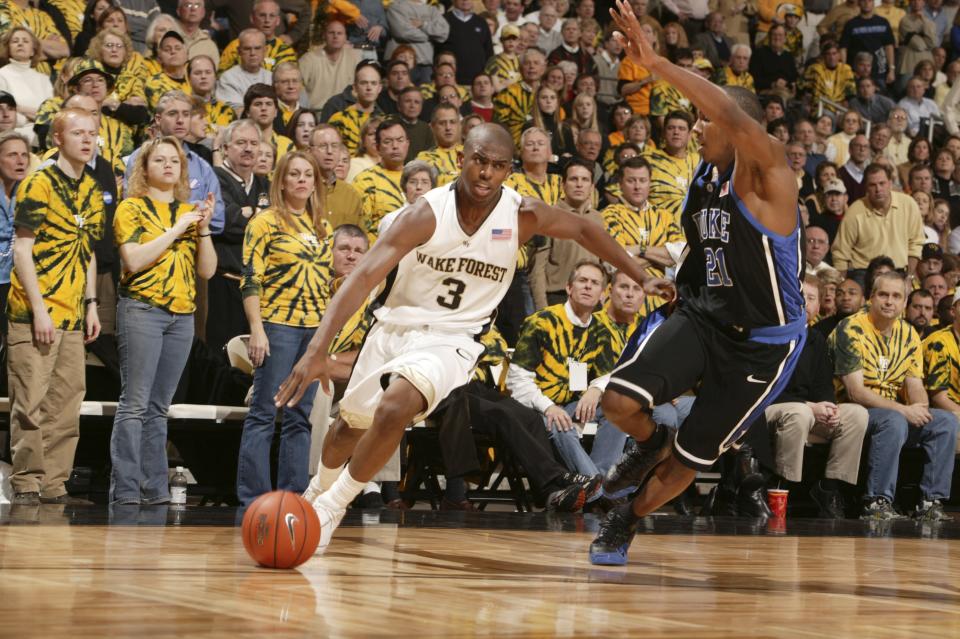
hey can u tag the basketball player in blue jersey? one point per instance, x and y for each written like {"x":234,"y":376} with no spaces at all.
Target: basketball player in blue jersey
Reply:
{"x":739,"y":324}
{"x":446,"y":261}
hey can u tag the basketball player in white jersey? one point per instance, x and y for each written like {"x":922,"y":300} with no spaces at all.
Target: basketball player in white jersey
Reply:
{"x":447,"y":262}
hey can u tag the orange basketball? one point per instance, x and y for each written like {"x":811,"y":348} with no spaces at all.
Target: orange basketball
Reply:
{"x":280,"y":530}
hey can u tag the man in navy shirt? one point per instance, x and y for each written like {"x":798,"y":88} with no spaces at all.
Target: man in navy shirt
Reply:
{"x":871,"y":33}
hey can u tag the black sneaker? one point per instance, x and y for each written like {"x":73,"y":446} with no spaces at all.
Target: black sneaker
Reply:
{"x":26,"y":499}
{"x":829,"y":501}
{"x":610,"y":546}
{"x":635,"y":465}
{"x":880,"y":509}
{"x":579,"y":489}
{"x":931,"y":511}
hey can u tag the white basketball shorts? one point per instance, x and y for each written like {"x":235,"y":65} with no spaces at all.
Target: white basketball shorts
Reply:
{"x":434,"y":361}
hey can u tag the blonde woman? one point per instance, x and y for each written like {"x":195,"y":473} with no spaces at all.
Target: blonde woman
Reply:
{"x":113,"y":49}
{"x":164,"y":245}
{"x":583,"y":117}
{"x":287,"y":266}
{"x":545,"y":115}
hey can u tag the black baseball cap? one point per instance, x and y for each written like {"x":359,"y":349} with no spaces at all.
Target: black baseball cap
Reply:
{"x":8,"y":99}
{"x":930,"y":251}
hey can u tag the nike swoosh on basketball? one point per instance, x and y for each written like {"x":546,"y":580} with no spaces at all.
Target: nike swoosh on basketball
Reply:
{"x":754,"y":380}
{"x":290,"y":520}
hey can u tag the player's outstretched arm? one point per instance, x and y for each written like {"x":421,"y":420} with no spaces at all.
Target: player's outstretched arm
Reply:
{"x":761,"y":165}
{"x":538,"y":218}
{"x":413,"y":228}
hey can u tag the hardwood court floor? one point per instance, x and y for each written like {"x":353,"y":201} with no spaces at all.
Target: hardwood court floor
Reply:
{"x":430,"y":575}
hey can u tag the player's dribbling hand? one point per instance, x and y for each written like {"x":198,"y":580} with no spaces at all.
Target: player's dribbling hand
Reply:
{"x":660,"y":287}
{"x":631,"y":36}
{"x":558,"y":417}
{"x":311,"y":367}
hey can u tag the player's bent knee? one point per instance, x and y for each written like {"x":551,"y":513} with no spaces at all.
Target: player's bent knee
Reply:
{"x":618,"y":407}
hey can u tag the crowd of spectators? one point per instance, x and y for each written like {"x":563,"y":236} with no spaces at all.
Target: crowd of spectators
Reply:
{"x":239,"y":156}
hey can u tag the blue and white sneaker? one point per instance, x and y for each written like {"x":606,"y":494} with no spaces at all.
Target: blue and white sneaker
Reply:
{"x":610,"y":546}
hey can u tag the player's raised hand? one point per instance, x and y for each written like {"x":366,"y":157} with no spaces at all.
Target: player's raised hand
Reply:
{"x":631,"y":36}
{"x":660,"y":287}
{"x":313,"y":366}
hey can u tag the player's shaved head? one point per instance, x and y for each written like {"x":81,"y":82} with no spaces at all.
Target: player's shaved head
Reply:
{"x":491,"y":138}
{"x":748,"y":101}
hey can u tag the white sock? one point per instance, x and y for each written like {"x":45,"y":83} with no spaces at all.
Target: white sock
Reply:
{"x":371,"y":487}
{"x":343,"y":491}
{"x":328,"y":476}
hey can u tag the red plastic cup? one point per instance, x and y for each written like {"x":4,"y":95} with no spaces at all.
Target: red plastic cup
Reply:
{"x":777,"y":500}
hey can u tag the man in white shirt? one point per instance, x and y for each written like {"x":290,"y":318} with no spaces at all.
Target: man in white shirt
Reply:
{"x":234,"y":82}
{"x":917,"y":106}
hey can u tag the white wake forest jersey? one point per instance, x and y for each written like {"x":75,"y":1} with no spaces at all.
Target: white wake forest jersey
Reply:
{"x":454,"y":280}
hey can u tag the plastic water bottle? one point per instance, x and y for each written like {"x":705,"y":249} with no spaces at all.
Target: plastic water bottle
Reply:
{"x":178,"y":488}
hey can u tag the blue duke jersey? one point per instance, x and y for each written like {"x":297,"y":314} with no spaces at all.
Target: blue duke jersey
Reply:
{"x":743,"y":276}
{"x":454,"y":280}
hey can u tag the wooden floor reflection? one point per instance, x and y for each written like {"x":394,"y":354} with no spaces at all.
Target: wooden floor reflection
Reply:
{"x":388,"y":581}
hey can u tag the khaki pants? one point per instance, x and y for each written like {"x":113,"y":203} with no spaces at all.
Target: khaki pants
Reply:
{"x":793,"y":426}
{"x":47,"y":384}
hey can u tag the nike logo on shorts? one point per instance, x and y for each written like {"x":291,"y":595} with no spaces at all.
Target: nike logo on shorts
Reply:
{"x":754,"y":380}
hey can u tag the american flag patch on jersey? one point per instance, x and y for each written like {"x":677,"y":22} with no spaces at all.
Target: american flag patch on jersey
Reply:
{"x":501,"y":234}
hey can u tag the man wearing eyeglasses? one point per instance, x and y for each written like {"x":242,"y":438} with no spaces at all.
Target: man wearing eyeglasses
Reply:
{"x":190,"y":15}
{"x":244,"y":194}
{"x":344,"y":203}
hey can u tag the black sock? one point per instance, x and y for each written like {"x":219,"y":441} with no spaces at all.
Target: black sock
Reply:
{"x":656,"y":439}
{"x":830,"y":485}
{"x":388,"y":489}
{"x":456,"y":490}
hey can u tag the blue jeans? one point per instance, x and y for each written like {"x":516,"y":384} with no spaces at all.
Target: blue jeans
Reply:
{"x":888,"y":432}
{"x":607,"y":448}
{"x":154,"y":345}
{"x":673,"y":415}
{"x":287,"y":346}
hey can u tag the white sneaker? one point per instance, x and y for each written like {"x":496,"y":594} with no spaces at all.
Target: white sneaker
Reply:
{"x":330,"y":517}
{"x":313,"y":489}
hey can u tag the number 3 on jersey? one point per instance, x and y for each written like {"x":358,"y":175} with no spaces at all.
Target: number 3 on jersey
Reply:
{"x":454,"y":294}
{"x":716,"y":263}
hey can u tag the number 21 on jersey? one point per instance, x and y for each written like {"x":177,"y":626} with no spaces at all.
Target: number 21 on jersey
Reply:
{"x":716,"y":264}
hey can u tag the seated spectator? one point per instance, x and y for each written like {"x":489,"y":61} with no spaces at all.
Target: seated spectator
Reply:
{"x":937,"y":223}
{"x":772,"y":66}
{"x":233,"y":83}
{"x":342,"y":200}
{"x":481,"y":98}
{"x":851,"y":172}
{"x":191,"y":17}
{"x":556,"y":358}
{"x":367,"y":84}
{"x":818,"y":245}
{"x":265,"y":17}
{"x":445,"y":128}
{"x":835,"y":207}
{"x":410,"y":108}
{"x":796,"y":157}
{"x":941,"y":363}
{"x":300,"y":129}
{"x":824,"y":173}
{"x":379,"y":186}
{"x":570,"y":49}
{"x":534,"y":178}
{"x":879,"y":359}
{"x":20,"y":47}
{"x":805,"y":413}
{"x":367,"y":155}
{"x":920,"y":312}
{"x":838,"y":144}
{"x":171,"y":54}
{"x":882,"y":223}
{"x":829,"y":78}
{"x":737,"y":73}
{"x":288,"y":83}
{"x":512,"y":105}
{"x":919,"y":108}
{"x":936,"y":284}
{"x":849,"y":299}
{"x":672,"y":167}
{"x":260,"y":105}
{"x":545,"y":115}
